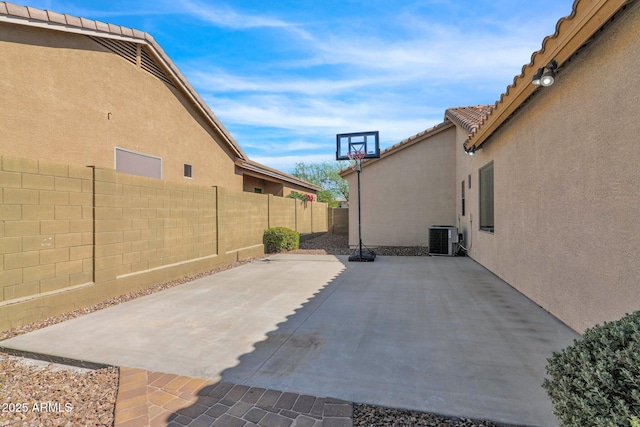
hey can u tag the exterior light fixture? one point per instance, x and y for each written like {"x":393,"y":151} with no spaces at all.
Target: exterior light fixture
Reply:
{"x":542,"y":78}
{"x":470,"y":151}
{"x":536,"y":78}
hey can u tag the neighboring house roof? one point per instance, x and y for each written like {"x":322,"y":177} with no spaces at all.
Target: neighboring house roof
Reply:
{"x":572,"y":32}
{"x":468,"y":118}
{"x":405,"y":143}
{"x":109,"y":35}
{"x":266,"y":172}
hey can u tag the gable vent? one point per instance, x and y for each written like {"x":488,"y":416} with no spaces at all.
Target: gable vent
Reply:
{"x":127,"y":50}
{"x":149,"y":65}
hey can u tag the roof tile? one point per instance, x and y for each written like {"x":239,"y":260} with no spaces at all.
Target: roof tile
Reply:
{"x":73,"y":20}
{"x":56,"y":17}
{"x":138,"y":34}
{"x":3,"y":7}
{"x":101,"y":26}
{"x":14,"y":9}
{"x":39,"y":14}
{"x":88,"y":23}
{"x":115,"y":29}
{"x":127,"y":31}
{"x":469,"y":118}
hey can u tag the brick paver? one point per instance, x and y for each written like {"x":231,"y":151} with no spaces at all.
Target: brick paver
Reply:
{"x":158,"y":399}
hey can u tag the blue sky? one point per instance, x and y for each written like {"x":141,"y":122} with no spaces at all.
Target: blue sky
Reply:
{"x":285,"y":77}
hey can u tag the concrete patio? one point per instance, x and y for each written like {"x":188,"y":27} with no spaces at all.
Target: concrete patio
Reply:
{"x":432,"y":334}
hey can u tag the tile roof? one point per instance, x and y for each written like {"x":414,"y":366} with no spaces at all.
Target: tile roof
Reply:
{"x":25,"y":15}
{"x":572,"y":32}
{"x":468,"y":118}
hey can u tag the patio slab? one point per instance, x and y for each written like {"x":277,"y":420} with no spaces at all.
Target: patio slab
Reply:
{"x":433,"y":334}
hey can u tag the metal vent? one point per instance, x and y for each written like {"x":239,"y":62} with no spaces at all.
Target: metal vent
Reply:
{"x":149,"y":65}
{"x":128,"y":51}
{"x":439,"y":241}
{"x":442,"y":240}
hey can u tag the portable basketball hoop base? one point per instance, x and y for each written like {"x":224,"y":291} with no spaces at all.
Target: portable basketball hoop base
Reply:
{"x":356,"y":156}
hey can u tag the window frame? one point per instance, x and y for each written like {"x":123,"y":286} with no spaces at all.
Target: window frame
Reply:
{"x":184,"y":170}
{"x":486,"y":202}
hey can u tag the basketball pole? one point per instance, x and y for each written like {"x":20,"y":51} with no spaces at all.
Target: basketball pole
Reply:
{"x":358,"y":170}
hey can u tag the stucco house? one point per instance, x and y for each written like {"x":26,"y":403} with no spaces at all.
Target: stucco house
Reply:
{"x":544,"y":185}
{"x":89,"y":93}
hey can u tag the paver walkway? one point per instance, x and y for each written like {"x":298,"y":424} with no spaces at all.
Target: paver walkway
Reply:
{"x":148,"y":398}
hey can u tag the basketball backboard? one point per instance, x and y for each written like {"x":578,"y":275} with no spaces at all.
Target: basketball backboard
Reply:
{"x":369,"y":142}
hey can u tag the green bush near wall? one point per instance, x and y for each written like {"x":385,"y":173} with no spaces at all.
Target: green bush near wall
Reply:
{"x":596,"y":381}
{"x":280,"y":239}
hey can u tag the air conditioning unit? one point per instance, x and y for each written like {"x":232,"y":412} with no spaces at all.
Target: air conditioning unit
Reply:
{"x":443,"y":240}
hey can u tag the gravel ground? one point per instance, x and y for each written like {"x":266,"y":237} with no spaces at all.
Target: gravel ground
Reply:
{"x":39,"y":394}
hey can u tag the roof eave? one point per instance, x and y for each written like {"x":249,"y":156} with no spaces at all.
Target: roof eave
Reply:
{"x":29,"y":16}
{"x":572,"y":32}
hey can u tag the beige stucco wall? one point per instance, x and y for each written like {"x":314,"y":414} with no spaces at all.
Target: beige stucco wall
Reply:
{"x":405,"y":193}
{"x":67,"y":99}
{"x":567,"y":186}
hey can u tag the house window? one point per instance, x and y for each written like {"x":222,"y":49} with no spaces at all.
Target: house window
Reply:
{"x":135,"y":163}
{"x":462,"y":187}
{"x":188,"y":171}
{"x":469,"y":180}
{"x":257,"y":190}
{"x":486,"y":198}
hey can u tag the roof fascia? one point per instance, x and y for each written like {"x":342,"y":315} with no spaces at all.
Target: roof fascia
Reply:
{"x":571,"y":33}
{"x":261,"y":172}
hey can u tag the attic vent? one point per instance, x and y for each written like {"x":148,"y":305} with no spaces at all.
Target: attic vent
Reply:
{"x":149,"y":65}
{"x":127,"y":50}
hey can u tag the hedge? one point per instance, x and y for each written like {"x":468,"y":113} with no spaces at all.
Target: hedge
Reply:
{"x":278,"y":239}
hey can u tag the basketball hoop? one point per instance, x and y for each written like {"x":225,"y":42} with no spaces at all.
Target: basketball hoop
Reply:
{"x":356,"y":157}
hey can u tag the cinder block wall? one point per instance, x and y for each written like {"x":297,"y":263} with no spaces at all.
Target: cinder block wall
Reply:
{"x":242,"y":219}
{"x":338,"y":221}
{"x":46,"y":234}
{"x":282,"y":212}
{"x":319,"y":217}
{"x":73,"y":236}
{"x":303,"y":216}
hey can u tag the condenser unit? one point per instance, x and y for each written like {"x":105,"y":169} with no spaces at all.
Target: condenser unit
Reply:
{"x":443,"y":240}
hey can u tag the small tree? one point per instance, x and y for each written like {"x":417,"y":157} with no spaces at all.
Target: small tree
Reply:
{"x":324,"y":175}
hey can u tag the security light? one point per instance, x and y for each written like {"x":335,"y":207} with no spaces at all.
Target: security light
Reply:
{"x":536,"y":78}
{"x":542,"y":78}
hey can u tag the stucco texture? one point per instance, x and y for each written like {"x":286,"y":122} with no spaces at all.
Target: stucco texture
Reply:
{"x":68,"y":99}
{"x":567,"y":186}
{"x":405,"y":193}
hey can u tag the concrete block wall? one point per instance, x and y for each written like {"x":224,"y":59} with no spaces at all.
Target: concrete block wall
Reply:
{"x":319,"y":217}
{"x":73,"y":236}
{"x":303,"y":217}
{"x":144,"y":225}
{"x":338,"y":221}
{"x":46,"y":234}
{"x":282,"y":212}
{"x":242,"y":219}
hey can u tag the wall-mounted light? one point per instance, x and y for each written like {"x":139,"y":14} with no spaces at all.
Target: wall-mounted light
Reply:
{"x":470,"y":151}
{"x":545,"y":78}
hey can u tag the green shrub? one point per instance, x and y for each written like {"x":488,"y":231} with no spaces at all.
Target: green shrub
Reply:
{"x":596,"y":381}
{"x":280,"y":239}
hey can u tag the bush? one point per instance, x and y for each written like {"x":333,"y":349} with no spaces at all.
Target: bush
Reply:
{"x":596,"y":381}
{"x":280,"y":239}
